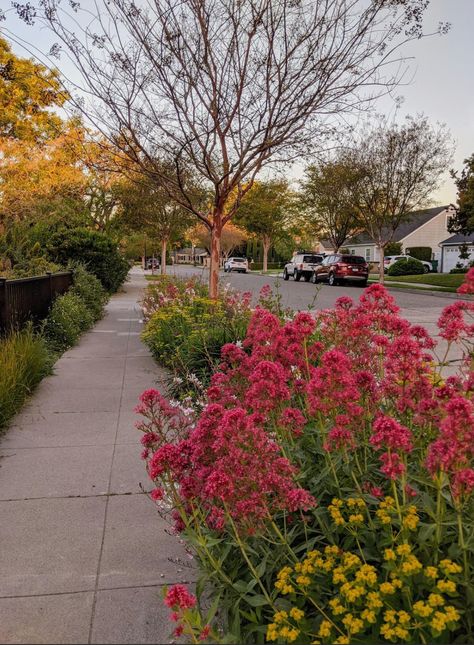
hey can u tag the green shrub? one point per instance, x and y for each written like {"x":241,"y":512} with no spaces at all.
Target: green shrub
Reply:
{"x":33,"y":267}
{"x":90,"y":289}
{"x":24,"y":361}
{"x":424,"y":253}
{"x":393,"y":248}
{"x":258,"y":266}
{"x":68,"y":318}
{"x":96,"y":251}
{"x":459,"y":270}
{"x":410,"y":266}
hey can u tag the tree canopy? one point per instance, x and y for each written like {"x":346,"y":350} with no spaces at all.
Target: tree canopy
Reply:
{"x":463,"y":221}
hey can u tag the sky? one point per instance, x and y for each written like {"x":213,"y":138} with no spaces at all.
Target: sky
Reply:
{"x":440,"y":79}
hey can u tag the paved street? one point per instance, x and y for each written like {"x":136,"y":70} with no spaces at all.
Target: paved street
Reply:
{"x":83,"y":553}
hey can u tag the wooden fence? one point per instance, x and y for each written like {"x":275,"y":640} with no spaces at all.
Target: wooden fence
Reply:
{"x":28,"y":299}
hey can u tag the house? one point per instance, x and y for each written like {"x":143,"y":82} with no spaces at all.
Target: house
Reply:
{"x":191,"y":255}
{"x":451,"y":248}
{"x":427,"y":227}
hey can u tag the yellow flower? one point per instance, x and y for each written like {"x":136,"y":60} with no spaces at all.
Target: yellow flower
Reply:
{"x":287,"y":589}
{"x":303,"y":581}
{"x":296,"y":613}
{"x":342,"y":640}
{"x":435,"y":600}
{"x":396,"y":582}
{"x":353,"y":625}
{"x":448,"y":566}
{"x":438,"y":622}
{"x":331,"y":550}
{"x":446,"y":586}
{"x":387,"y":588}
{"x":401,"y":632}
{"x":403,"y":617}
{"x":338,"y":577}
{"x":352,"y":593}
{"x":451,"y":613}
{"x":431,"y":572}
{"x":367,"y":573}
{"x":293,"y":634}
{"x":421,"y":609}
{"x":272,"y":632}
{"x":387,"y":502}
{"x":373,"y":600}
{"x":280,"y":616}
{"x":337,"y":502}
{"x":350,"y":560}
{"x":387,"y":631}
{"x":411,"y":565}
{"x":337,"y":607}
{"x":358,"y":518}
{"x":325,"y":629}
{"x":390,"y":616}
{"x":411,"y":522}
{"x":389,"y":554}
{"x":328,"y":565}
{"x":383,"y":516}
{"x":284,"y":573}
{"x":369,"y":616}
{"x":404,"y":549}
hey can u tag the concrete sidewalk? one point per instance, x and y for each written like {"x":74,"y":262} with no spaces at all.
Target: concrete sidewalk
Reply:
{"x":83,"y":553}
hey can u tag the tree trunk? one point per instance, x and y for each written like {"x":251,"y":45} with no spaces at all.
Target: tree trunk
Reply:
{"x":216,"y":233}
{"x":164,"y":242}
{"x":266,"y":247}
{"x":381,"y":266}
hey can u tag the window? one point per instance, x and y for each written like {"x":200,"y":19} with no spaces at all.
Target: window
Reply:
{"x":353,"y":251}
{"x":367,"y":254}
{"x":353,"y":259}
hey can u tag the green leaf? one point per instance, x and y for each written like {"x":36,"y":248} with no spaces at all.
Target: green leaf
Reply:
{"x":256,"y":601}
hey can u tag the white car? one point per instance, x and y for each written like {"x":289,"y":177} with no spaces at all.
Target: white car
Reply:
{"x":391,"y":259}
{"x":236,"y":264}
{"x":302,"y":266}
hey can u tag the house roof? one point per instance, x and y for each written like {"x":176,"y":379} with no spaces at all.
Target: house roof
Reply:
{"x":414,"y":221}
{"x":458,"y":238}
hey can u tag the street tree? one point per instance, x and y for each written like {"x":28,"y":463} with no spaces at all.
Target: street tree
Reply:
{"x":264,"y":211}
{"x":232,"y":237}
{"x":463,"y":220}
{"x":145,"y":207}
{"x":399,"y":168}
{"x":327,"y":192}
{"x":223,"y":87}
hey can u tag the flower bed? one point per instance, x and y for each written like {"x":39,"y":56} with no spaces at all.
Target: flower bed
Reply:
{"x":326,"y":486}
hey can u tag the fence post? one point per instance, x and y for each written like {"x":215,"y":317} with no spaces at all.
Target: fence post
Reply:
{"x":49,"y":273}
{"x":4,"y":315}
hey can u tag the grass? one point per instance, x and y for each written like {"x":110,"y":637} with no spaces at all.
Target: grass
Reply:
{"x":448,"y":282}
{"x":24,"y":361}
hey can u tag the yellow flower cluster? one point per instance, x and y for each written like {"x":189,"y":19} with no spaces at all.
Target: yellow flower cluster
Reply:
{"x":385,"y":509}
{"x":410,"y":521}
{"x":355,"y":507}
{"x":282,"y":626}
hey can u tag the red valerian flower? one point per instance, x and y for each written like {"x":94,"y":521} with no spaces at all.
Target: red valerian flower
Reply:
{"x":468,"y":284}
{"x":178,"y":596}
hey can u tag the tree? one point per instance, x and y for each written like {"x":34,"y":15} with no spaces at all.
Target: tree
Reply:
{"x":399,"y":167}
{"x":463,"y":221}
{"x":232,"y":238}
{"x":223,"y":87}
{"x":327,"y":199}
{"x":263,"y":212}
{"x":145,"y":207}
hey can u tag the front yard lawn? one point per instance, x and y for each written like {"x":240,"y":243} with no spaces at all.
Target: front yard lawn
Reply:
{"x":444,"y":281}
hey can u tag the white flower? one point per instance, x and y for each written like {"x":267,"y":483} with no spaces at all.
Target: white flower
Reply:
{"x":177,"y":380}
{"x":238,"y":343}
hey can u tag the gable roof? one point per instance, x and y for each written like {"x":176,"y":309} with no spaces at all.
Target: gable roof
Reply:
{"x":412,"y":223}
{"x":458,"y":238}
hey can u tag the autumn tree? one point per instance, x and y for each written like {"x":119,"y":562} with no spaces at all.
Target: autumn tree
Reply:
{"x":463,"y":220}
{"x":263,"y":212}
{"x":225,"y":87}
{"x":327,"y":199}
{"x":144,"y":206}
{"x":399,"y":167}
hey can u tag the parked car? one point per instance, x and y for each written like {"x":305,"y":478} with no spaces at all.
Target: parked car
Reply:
{"x":338,"y":268}
{"x":391,"y":259}
{"x":152,"y":263}
{"x":302,"y":265}
{"x":236,"y":264}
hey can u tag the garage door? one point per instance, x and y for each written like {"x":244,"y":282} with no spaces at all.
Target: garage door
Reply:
{"x":451,"y":257}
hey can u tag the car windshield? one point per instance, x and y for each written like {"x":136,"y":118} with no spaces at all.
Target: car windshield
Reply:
{"x":353,"y":259}
{"x":237,"y":259}
{"x":312,"y":259}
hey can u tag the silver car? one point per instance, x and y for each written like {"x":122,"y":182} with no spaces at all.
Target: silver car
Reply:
{"x":302,"y":266}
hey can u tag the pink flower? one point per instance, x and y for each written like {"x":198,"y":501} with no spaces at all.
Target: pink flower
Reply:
{"x":156,"y":494}
{"x":392,"y":465}
{"x":205,"y":633}
{"x":468,"y":285}
{"x":389,"y":433}
{"x":293,"y":420}
{"x":179,"y":596}
{"x":452,"y":324}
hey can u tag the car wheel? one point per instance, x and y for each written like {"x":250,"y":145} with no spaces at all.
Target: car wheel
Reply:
{"x":296,"y":276}
{"x":426,"y":269}
{"x":285,"y":275}
{"x":314,"y":279}
{"x":332,"y":280}
{"x":307,"y":277}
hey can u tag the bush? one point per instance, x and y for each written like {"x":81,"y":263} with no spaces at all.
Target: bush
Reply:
{"x":24,"y":361}
{"x":393,"y":248}
{"x":424,"y":253}
{"x":186,"y":330}
{"x":327,"y":487}
{"x":90,"y":290}
{"x":96,"y":251}
{"x":258,"y":266}
{"x":67,"y":319}
{"x":410,"y":266}
{"x":33,"y":267}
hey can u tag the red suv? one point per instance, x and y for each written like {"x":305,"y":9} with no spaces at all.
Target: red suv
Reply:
{"x":340,"y":268}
